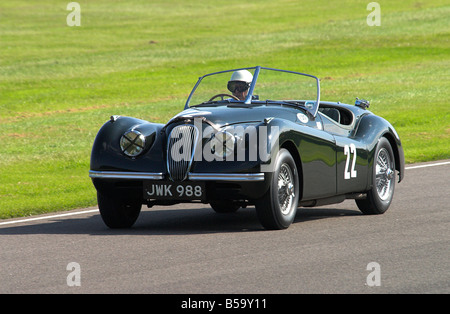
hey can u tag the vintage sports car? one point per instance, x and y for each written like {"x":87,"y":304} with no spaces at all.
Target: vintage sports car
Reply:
{"x":250,"y":136}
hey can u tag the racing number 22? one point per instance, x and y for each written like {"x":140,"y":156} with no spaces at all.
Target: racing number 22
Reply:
{"x":350,"y":150}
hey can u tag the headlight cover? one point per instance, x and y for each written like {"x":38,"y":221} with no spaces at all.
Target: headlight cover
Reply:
{"x":132,"y":143}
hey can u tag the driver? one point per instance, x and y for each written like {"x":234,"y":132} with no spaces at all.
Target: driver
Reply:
{"x":239,"y":83}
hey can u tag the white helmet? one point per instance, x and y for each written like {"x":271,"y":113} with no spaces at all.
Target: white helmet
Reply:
{"x":242,"y":75}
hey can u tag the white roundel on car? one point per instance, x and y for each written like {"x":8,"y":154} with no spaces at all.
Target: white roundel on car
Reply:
{"x":302,"y":117}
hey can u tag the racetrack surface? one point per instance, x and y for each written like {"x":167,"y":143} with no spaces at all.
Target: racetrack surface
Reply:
{"x":191,"y":249}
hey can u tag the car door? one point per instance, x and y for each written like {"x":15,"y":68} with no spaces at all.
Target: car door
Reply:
{"x":351,"y":158}
{"x":318,"y":154}
{"x":351,"y":165}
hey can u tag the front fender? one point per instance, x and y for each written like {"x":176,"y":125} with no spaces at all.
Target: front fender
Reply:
{"x":107,"y":155}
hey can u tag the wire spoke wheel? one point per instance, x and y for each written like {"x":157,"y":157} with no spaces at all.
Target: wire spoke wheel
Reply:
{"x":285,"y":189}
{"x":277,"y":208}
{"x":384,"y":174}
{"x":379,"y":197}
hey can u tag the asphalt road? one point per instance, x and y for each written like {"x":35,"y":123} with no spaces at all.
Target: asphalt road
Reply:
{"x":191,"y":249}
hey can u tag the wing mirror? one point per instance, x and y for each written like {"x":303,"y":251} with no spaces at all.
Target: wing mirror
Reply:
{"x":362,"y":103}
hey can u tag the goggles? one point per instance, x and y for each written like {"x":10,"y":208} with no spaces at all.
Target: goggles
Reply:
{"x":237,"y":85}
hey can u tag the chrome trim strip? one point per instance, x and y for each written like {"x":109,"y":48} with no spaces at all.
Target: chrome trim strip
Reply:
{"x":191,"y":176}
{"x":226,"y":176}
{"x":125,"y":175}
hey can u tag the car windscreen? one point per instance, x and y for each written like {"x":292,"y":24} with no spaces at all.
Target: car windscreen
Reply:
{"x":212,"y":85}
{"x":280,"y":85}
{"x":267,"y":85}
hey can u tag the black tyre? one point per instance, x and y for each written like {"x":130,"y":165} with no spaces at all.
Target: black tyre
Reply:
{"x":277,"y":208}
{"x":118,"y":213}
{"x":225,"y":206}
{"x":379,"y":197}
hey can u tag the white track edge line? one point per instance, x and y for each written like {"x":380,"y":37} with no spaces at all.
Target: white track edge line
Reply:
{"x":48,"y":217}
{"x":429,"y":165}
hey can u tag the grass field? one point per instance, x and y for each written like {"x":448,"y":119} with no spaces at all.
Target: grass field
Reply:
{"x":59,"y":84}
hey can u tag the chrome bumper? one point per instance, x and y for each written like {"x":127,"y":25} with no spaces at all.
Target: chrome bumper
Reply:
{"x":191,"y":176}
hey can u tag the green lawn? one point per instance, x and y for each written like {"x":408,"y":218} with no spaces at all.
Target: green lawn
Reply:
{"x":59,"y":84}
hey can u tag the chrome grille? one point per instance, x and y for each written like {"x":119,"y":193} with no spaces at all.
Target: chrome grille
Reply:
{"x":180,"y":151}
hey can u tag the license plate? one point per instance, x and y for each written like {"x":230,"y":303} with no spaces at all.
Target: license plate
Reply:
{"x":168,"y":190}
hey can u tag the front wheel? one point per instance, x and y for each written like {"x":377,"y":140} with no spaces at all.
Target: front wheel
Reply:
{"x":118,"y":213}
{"x":223,"y":207}
{"x":277,"y":208}
{"x":379,"y":197}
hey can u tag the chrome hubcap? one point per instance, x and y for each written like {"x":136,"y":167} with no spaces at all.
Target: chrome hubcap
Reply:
{"x":384,"y":173}
{"x":286,"y":192}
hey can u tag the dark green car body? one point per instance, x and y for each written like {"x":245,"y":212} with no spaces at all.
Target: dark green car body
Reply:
{"x":334,"y":147}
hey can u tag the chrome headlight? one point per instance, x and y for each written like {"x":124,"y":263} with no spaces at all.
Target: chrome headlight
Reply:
{"x":222,"y":144}
{"x":132,"y":143}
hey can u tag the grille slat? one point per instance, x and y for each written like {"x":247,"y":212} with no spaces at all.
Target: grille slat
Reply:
{"x":180,"y":151}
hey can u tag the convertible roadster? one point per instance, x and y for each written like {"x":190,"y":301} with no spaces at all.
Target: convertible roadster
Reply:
{"x":251,"y":136}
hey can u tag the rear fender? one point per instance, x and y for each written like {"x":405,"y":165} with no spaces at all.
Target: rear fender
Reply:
{"x":371,"y":128}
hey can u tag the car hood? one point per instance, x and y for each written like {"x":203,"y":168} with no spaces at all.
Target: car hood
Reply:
{"x":225,"y":115}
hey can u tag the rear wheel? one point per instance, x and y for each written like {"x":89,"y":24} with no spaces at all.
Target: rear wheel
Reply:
{"x":118,"y":213}
{"x":380,"y":196}
{"x":277,"y":208}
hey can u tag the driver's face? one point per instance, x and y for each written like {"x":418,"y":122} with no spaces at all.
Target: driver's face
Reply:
{"x":239,"y":89}
{"x":240,"y":95}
